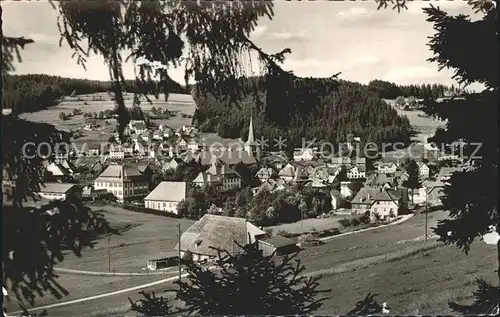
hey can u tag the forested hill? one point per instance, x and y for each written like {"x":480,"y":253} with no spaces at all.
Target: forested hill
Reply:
{"x":312,"y":108}
{"x":33,"y":92}
{"x":388,"y":90}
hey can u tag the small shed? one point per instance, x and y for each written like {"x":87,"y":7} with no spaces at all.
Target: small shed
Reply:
{"x":170,"y":259}
{"x":279,"y":244}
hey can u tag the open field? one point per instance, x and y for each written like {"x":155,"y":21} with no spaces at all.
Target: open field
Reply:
{"x":416,"y":285}
{"x":422,"y":283}
{"x":308,"y":225}
{"x":102,"y":101}
{"x":81,"y":286}
{"x":86,"y":103}
{"x":369,"y":243}
{"x":149,"y":237}
{"x":423,"y":125}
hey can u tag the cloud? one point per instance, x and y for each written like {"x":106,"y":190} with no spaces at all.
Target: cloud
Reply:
{"x":258,"y":32}
{"x":354,"y":12}
{"x":414,"y":74}
{"x":452,"y":7}
{"x":288,"y":36}
{"x":367,"y":59}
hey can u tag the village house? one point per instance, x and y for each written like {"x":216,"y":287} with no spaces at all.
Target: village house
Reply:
{"x":137,"y":126}
{"x":153,"y":150}
{"x":157,"y":135}
{"x":58,"y":170}
{"x":362,"y":201}
{"x":386,"y":167}
{"x":278,"y":161}
{"x":229,"y":178}
{"x":379,"y":180}
{"x":204,"y":179}
{"x":170,"y":165}
{"x":287,"y":173}
{"x":423,"y":170}
{"x":434,"y":191}
{"x":89,"y":193}
{"x":181,"y":143}
{"x":264,"y":174}
{"x":385,"y":204}
{"x":214,"y":232}
{"x":229,"y":157}
{"x":419,"y":196}
{"x":116,"y":152}
{"x":277,"y":245}
{"x":270,"y":185}
{"x":192,"y":145}
{"x":306,"y":154}
{"x":58,"y":191}
{"x":95,"y":151}
{"x":166,"y":196}
{"x":356,"y":172}
{"x":147,"y":136}
{"x":124,"y":181}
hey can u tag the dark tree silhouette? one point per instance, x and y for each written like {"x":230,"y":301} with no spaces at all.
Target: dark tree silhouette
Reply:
{"x":151,"y":305}
{"x":413,"y":182}
{"x":248,"y":283}
{"x":470,"y":49}
{"x":367,"y":306}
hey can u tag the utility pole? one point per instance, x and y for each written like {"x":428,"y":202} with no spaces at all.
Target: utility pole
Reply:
{"x":179,"y":242}
{"x":109,"y":253}
{"x":426,"y":212}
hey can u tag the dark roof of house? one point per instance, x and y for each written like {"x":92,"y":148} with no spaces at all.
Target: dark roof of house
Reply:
{"x":56,"y":187}
{"x":228,"y":157}
{"x":213,"y":231}
{"x":279,"y":241}
{"x":121,"y":172}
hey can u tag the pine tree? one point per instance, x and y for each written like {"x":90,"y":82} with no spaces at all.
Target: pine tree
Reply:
{"x":469,"y":48}
{"x":413,"y":181}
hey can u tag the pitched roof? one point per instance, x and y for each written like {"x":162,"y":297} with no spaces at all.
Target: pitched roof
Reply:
{"x":206,"y":178}
{"x":168,"y":191}
{"x":265,"y":171}
{"x":378,"y":179}
{"x":279,"y":241}
{"x":60,"y":188}
{"x":213,"y":231}
{"x":275,"y":158}
{"x":228,"y":157}
{"x":120,"y":172}
{"x":287,"y":171}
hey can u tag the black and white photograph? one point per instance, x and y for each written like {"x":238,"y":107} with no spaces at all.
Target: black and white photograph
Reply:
{"x":231,"y":158}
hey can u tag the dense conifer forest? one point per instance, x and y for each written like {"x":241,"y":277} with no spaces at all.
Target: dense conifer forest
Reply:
{"x":320,"y":108}
{"x":388,"y":90}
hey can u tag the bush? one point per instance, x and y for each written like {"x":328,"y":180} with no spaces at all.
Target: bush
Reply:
{"x":346,"y":223}
{"x":145,"y":210}
{"x":355,"y":222}
{"x":328,"y":233}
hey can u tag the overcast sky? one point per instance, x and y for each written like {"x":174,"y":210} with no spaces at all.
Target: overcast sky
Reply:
{"x":325,"y":38}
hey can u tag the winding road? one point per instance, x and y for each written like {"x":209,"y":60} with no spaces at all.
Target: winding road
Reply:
{"x":341,"y":249}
